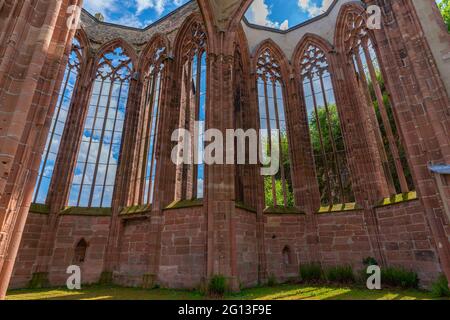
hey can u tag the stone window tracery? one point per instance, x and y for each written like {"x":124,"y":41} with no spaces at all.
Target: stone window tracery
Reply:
{"x":271,"y":100}
{"x":361,"y":50}
{"x":190,"y":177}
{"x":95,"y":171}
{"x":325,"y":128}
{"x":149,"y":124}
{"x":58,"y":124}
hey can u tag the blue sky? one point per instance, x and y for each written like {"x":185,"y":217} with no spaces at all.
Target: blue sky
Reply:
{"x":281,"y":14}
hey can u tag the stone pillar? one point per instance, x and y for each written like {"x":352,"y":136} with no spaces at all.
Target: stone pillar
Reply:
{"x":421,"y":103}
{"x":356,"y":114}
{"x":121,"y":197}
{"x":33,"y":53}
{"x":220,"y":205}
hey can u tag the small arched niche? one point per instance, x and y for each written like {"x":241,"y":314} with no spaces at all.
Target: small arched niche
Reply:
{"x":80,"y":252}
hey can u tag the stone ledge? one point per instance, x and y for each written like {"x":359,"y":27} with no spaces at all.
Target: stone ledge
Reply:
{"x":397,"y":199}
{"x":90,"y":212}
{"x":283,"y":210}
{"x":345,"y":207}
{"x":136,"y":210}
{"x":185,"y":204}
{"x":39,"y":208}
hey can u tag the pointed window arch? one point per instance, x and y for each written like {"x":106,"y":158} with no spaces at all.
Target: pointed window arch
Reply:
{"x":58,"y":124}
{"x":150,"y":123}
{"x":325,"y":128}
{"x":190,"y":177}
{"x":360,"y":49}
{"x":271,"y":102}
{"x":95,"y":171}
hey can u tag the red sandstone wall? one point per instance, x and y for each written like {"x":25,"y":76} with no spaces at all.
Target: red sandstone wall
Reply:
{"x":183,"y":248}
{"x":28,"y":251}
{"x":71,"y":230}
{"x":407,"y":241}
{"x":247,"y":250}
{"x":283,"y":230}
{"x":134,"y":253}
{"x":343,"y":239}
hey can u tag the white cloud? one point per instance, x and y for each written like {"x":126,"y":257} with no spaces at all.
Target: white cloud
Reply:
{"x":312,"y":9}
{"x":259,"y":14}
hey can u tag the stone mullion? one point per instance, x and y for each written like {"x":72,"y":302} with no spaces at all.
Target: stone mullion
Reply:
{"x":386,"y":122}
{"x":249,"y":112}
{"x":364,"y":87}
{"x":137,"y":184}
{"x":304,"y":180}
{"x":269,"y":137}
{"x":146,"y":135}
{"x":367,"y":174}
{"x":27,"y":124}
{"x":71,"y":138}
{"x":180,"y":183}
{"x":420,"y":101}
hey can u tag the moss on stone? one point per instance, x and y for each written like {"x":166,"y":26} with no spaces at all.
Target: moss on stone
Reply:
{"x":282,"y":210}
{"x":134,"y":210}
{"x":399,"y":198}
{"x":39,"y":208}
{"x":339,"y":208}
{"x":93,"y":212}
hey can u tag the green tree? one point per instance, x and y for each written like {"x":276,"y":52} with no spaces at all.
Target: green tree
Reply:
{"x":444,"y":6}
{"x":286,"y":163}
{"x":330,"y":128}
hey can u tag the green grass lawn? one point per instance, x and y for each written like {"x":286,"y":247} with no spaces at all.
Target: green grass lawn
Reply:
{"x":281,"y":292}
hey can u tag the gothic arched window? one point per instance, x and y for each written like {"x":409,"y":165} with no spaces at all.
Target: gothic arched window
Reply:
{"x":191,"y":177}
{"x":362,"y":54}
{"x":325,"y":128}
{"x":271,"y":101}
{"x":58,"y":123}
{"x":95,"y":172}
{"x":149,"y":124}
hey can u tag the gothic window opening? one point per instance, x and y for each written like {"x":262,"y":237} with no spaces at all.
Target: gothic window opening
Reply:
{"x":325,"y":129}
{"x":95,"y":171}
{"x":80,"y":252}
{"x":191,"y":177}
{"x":277,"y":188}
{"x":361,"y":50}
{"x":58,"y":124}
{"x":149,"y":125}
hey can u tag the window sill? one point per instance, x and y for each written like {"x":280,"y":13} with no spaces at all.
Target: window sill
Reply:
{"x":136,"y":210}
{"x":185,"y":204}
{"x":339,"y":208}
{"x":39,"y":208}
{"x":283,"y":210}
{"x":397,"y":199}
{"x":90,"y":212}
